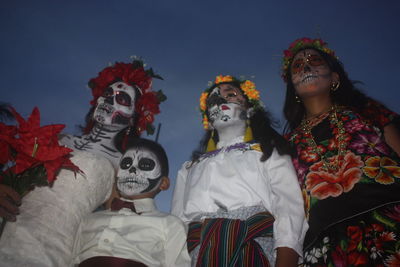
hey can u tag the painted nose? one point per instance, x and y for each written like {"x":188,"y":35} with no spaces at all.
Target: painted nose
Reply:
{"x":109,"y":100}
{"x":307,"y":68}
{"x":132,"y":170}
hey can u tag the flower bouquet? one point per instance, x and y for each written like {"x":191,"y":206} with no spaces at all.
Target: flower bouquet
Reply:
{"x":30,"y":155}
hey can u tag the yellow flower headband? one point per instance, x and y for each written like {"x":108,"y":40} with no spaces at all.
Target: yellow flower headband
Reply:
{"x":247,"y":86}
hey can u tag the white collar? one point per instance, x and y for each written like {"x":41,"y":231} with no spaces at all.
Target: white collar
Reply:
{"x":230,"y":142}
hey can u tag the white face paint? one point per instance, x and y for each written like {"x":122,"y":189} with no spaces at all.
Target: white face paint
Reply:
{"x":227,"y":107}
{"x":310,"y":74}
{"x":116,"y":106}
{"x":139,"y":172}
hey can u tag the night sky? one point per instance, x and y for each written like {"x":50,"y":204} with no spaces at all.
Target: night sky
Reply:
{"x":50,"y":49}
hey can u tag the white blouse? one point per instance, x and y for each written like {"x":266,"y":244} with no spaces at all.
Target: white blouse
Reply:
{"x":234,"y":177}
{"x":153,"y":238}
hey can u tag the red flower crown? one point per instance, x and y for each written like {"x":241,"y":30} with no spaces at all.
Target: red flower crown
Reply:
{"x":299,"y":44}
{"x":135,"y":75}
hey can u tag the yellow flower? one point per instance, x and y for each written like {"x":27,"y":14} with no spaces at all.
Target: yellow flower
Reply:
{"x":382,"y":169}
{"x":205,"y":122}
{"x":203,"y":99}
{"x":249,"y":88}
{"x":223,"y":79}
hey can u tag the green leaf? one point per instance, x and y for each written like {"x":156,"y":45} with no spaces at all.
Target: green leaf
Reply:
{"x":151,"y":73}
{"x":160,"y":95}
{"x":150,"y":129}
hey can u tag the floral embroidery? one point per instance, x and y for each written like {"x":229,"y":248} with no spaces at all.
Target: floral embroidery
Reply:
{"x":323,"y":184}
{"x":393,"y":213}
{"x":361,"y":242}
{"x":369,"y":144}
{"x":308,"y":156}
{"x":353,"y":126}
{"x":393,"y":260}
{"x":372,"y":238}
{"x":382,"y":169}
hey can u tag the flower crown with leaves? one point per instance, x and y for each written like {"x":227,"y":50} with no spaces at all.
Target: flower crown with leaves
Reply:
{"x":296,"y":46}
{"x":247,"y":87}
{"x":135,"y":75}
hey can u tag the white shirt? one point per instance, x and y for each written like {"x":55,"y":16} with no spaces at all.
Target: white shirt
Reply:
{"x":153,"y":238}
{"x":235,"y":177}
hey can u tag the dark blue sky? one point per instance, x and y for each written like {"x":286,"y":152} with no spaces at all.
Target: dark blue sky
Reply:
{"x":50,"y":49}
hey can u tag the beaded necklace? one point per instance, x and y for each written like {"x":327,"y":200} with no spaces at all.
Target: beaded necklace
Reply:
{"x":340,"y":139}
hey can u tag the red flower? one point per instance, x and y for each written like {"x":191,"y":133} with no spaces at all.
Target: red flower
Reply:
{"x":37,"y":146}
{"x":147,"y":106}
{"x":307,"y":155}
{"x":339,"y":257}
{"x":7,"y":134}
{"x":357,"y":258}
{"x":355,"y":234}
{"x":326,"y":183}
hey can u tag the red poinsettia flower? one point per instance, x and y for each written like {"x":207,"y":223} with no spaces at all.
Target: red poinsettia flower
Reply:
{"x":7,"y":134}
{"x":37,"y":145}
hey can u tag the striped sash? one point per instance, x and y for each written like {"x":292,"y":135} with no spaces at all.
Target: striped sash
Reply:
{"x":230,"y":242}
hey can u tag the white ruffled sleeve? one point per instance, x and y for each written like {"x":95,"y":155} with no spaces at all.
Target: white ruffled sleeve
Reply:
{"x":290,"y":224}
{"x":179,"y":193}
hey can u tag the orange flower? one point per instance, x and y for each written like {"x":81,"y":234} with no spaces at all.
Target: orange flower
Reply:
{"x":205,"y":122}
{"x":203,"y":99}
{"x":382,"y":169}
{"x":323,"y":184}
{"x":223,"y":79}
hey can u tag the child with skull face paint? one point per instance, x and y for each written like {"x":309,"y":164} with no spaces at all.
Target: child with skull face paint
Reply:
{"x":347,"y":161}
{"x":133,"y":232}
{"x":240,"y":197}
{"x":123,"y":104}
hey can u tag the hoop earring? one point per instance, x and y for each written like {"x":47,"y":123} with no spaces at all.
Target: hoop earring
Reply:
{"x":297,"y":98}
{"x":335,"y":86}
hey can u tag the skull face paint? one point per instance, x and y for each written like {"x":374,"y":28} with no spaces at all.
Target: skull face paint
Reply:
{"x":139,"y":172}
{"x":226,"y":106}
{"x":311,"y":74}
{"x":116,"y":106}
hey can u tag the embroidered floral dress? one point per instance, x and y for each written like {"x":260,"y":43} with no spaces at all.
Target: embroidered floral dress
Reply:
{"x":350,"y":180}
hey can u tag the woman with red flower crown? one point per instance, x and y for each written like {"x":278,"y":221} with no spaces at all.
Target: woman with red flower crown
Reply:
{"x":347,"y":161}
{"x":123,"y":106}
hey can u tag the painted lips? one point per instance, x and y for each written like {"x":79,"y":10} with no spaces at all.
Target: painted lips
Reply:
{"x":224,"y":107}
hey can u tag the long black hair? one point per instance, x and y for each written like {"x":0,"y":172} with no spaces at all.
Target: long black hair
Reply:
{"x":346,"y":95}
{"x":261,"y":123}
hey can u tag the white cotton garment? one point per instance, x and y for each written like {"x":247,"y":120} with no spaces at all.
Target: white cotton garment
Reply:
{"x":44,"y":232}
{"x":233,"y":177}
{"x":151,"y":237}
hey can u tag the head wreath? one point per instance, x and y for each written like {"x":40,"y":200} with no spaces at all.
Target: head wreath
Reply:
{"x":134,"y":74}
{"x":248,"y":88}
{"x":298,"y":45}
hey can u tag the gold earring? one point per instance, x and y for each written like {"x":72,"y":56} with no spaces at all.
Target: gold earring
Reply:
{"x":248,"y":136}
{"x":211,"y":143}
{"x":335,"y":86}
